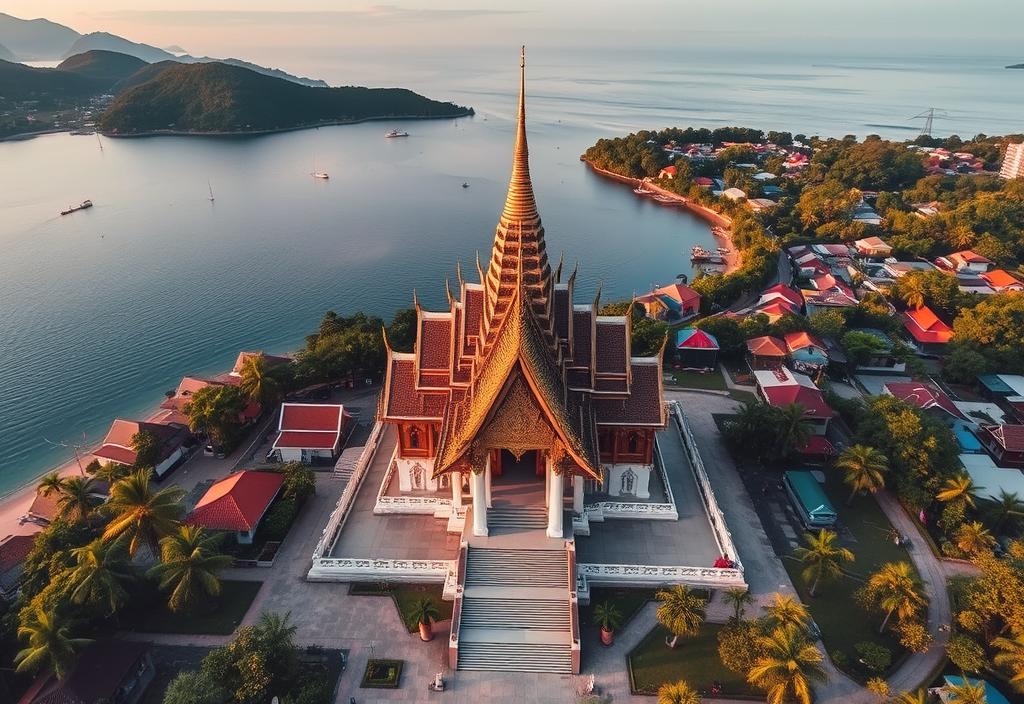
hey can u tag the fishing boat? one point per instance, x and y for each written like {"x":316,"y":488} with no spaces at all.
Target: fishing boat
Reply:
{"x":465,"y":185}
{"x":396,"y":133}
{"x":641,"y":191}
{"x":73,"y":208}
{"x":321,"y":175}
{"x":719,"y":231}
{"x":723,"y":250}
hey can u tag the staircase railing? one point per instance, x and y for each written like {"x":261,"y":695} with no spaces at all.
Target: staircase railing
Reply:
{"x":460,"y":583}
{"x":574,"y":624}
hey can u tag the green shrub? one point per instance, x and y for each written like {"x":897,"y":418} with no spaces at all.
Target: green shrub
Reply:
{"x":194,"y":688}
{"x":965,"y":653}
{"x":279,"y":519}
{"x":873,"y":656}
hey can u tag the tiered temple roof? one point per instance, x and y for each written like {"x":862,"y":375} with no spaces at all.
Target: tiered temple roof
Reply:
{"x":512,"y":356}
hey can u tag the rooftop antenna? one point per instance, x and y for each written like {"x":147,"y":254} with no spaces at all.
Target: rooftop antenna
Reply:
{"x":929,"y":118}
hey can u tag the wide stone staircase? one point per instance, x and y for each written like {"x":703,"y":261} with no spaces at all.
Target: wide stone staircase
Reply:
{"x":517,"y":609}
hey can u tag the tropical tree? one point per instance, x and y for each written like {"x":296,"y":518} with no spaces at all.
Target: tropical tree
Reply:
{"x":894,"y":589}
{"x":739,"y":599}
{"x":879,"y":687}
{"x":141,"y":513}
{"x":751,"y":431}
{"x":1004,"y":511}
{"x":216,"y":411}
{"x":863,"y":469}
{"x":147,"y":449}
{"x":958,"y":490}
{"x":100,"y":572}
{"x":974,"y":538}
{"x":967,"y":692}
{"x":258,"y":380}
{"x":1010,"y":656}
{"x":607,"y":616}
{"x":912,"y":291}
{"x":788,"y":666}
{"x":822,"y":557}
{"x":50,"y":483}
{"x":77,"y":498}
{"x":424,"y":612}
{"x":679,"y":692}
{"x":786,"y":610}
{"x":51,"y":646}
{"x":299,"y":481}
{"x":189,"y":562}
{"x":792,"y":429}
{"x":681,"y":611}
{"x":918,"y":696}
{"x":110,"y":472}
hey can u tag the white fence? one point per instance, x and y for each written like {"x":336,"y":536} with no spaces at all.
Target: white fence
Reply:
{"x":343,"y":569}
{"x":656,"y":575}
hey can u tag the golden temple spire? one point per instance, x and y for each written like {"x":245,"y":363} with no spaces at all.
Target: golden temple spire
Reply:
{"x":519,"y":202}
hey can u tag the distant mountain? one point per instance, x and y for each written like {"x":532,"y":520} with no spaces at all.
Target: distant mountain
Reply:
{"x":273,"y":72}
{"x":216,"y":97}
{"x":21,"y":82}
{"x":174,"y":49}
{"x":6,"y":54}
{"x":105,"y":41}
{"x":36,"y":39}
{"x":107,"y":67}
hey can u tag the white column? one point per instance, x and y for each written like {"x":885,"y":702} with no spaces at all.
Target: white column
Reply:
{"x":556,"y":484}
{"x":487,"y":481}
{"x":456,"y":480}
{"x":478,"y":488}
{"x":577,"y":493}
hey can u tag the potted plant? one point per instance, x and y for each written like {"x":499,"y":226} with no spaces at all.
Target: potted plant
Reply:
{"x":608,"y":617}
{"x":425,"y":613}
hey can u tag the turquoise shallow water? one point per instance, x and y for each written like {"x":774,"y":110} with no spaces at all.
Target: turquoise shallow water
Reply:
{"x":104,"y":310}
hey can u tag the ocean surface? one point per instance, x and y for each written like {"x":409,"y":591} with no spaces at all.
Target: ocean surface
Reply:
{"x":104,"y":310}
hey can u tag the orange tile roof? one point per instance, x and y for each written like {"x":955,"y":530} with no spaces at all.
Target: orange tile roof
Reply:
{"x":1000,"y":278}
{"x":925,"y":326}
{"x":766,"y":346}
{"x":800,"y":340}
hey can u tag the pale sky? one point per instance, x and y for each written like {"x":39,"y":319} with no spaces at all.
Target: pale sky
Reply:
{"x":220,"y":27}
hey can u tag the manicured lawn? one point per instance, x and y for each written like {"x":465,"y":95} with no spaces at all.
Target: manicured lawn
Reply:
{"x":221,"y":618}
{"x":742,"y":396}
{"x":627,"y":601}
{"x":696,"y":380}
{"x":843,"y":623}
{"x":405,"y":597}
{"x":652,"y":663}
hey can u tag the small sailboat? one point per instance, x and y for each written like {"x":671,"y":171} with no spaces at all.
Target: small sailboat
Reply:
{"x":75,"y":208}
{"x":396,"y":133}
{"x":316,"y":173}
{"x":210,"y":186}
{"x":98,"y":141}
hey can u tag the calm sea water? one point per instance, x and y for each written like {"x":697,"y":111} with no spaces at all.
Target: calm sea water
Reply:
{"x":104,"y":310}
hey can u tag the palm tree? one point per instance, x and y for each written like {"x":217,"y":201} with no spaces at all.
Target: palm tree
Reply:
{"x":78,"y":498}
{"x":918,"y":696}
{"x":974,"y":538}
{"x":739,"y":599}
{"x":786,"y":610}
{"x":99,"y":574}
{"x":895,"y":589}
{"x":1005,"y":511}
{"x":258,"y":380}
{"x":793,"y":430}
{"x":110,"y":472}
{"x":863,"y":469}
{"x":959,"y":489}
{"x":50,"y":645}
{"x":189,"y":562}
{"x":911,"y":291}
{"x":679,"y":692}
{"x":277,"y":632}
{"x":1010,"y":656}
{"x":788,"y":666}
{"x":967,"y":692}
{"x":823,"y":557}
{"x":50,"y":483}
{"x":424,"y":612}
{"x":142,"y":513}
{"x":681,"y":611}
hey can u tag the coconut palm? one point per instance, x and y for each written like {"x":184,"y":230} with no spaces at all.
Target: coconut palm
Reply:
{"x":50,"y":647}
{"x":787,"y":667}
{"x":1004,"y":511}
{"x":895,"y":589}
{"x":101,"y":569}
{"x":739,"y":599}
{"x":110,"y":472}
{"x":786,"y":610}
{"x":863,"y":469}
{"x":77,"y":498}
{"x":189,"y":562}
{"x":918,"y":696}
{"x":823,"y":558}
{"x":277,"y":632}
{"x":911,"y":290}
{"x":681,"y":611}
{"x":679,"y":692}
{"x":424,"y":612}
{"x":958,"y":490}
{"x":142,"y":513}
{"x":258,"y":380}
{"x":793,"y":430}
{"x":607,"y":616}
{"x":974,"y":538}
{"x":50,"y":483}
{"x":967,"y":692}
{"x":1010,"y":656}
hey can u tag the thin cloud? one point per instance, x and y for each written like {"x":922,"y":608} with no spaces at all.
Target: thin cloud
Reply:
{"x":386,"y":13}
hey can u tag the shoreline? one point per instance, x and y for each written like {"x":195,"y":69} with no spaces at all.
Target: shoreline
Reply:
{"x":733,"y":259}
{"x":21,"y":136}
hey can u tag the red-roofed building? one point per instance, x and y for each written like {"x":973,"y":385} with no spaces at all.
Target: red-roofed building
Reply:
{"x":237,"y":503}
{"x":310,"y":433}
{"x":928,"y":334}
{"x":965,"y":260}
{"x":117,"y":445}
{"x":13,"y":551}
{"x":672,"y":303}
{"x":668,"y":172}
{"x":272,"y":360}
{"x":108,"y":671}
{"x":703,"y":181}
{"x":781,"y":387}
{"x":1005,"y":443}
{"x":776,"y":309}
{"x":873,"y":247}
{"x":817,"y":447}
{"x":174,"y":406}
{"x":783,"y":292}
{"x":925,"y":398}
{"x":1002,"y":280}
{"x":766,"y":352}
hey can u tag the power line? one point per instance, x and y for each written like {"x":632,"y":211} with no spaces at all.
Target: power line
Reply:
{"x":929,"y":116}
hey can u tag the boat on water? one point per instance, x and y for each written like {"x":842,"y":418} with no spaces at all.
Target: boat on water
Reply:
{"x":641,"y":191}
{"x":396,"y":133}
{"x":723,"y":250}
{"x":210,"y":186}
{"x":323,"y":175}
{"x":465,"y":185}
{"x":699,"y":254}
{"x":74,"y":208}
{"x":719,"y":230}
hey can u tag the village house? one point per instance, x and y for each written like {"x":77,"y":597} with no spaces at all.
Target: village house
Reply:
{"x":13,"y":551}
{"x":672,"y":303}
{"x":1006,"y":390}
{"x":696,"y":349}
{"x":965,"y":260}
{"x":668,"y":172}
{"x":883,"y":360}
{"x":173,"y":407}
{"x":806,"y":352}
{"x":1005,"y":443}
{"x":873,"y":247}
{"x":926,"y":332}
{"x":865,"y":214}
{"x":272,"y":360}
{"x":310,"y":433}
{"x":733,"y":193}
{"x":1001,"y":280}
{"x":782,"y":387}
{"x":766,"y":352}
{"x":926,"y":398}
{"x":761,"y":204}
{"x":108,"y":671}
{"x":117,"y":445}
{"x":237,"y":503}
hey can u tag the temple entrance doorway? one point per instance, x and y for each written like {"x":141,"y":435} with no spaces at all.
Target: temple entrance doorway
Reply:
{"x":517,"y":482}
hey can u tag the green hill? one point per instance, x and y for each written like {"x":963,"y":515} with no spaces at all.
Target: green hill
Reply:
{"x":107,"y":67}
{"x":215,"y":97}
{"x":146,"y":73}
{"x":20,"y":82}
